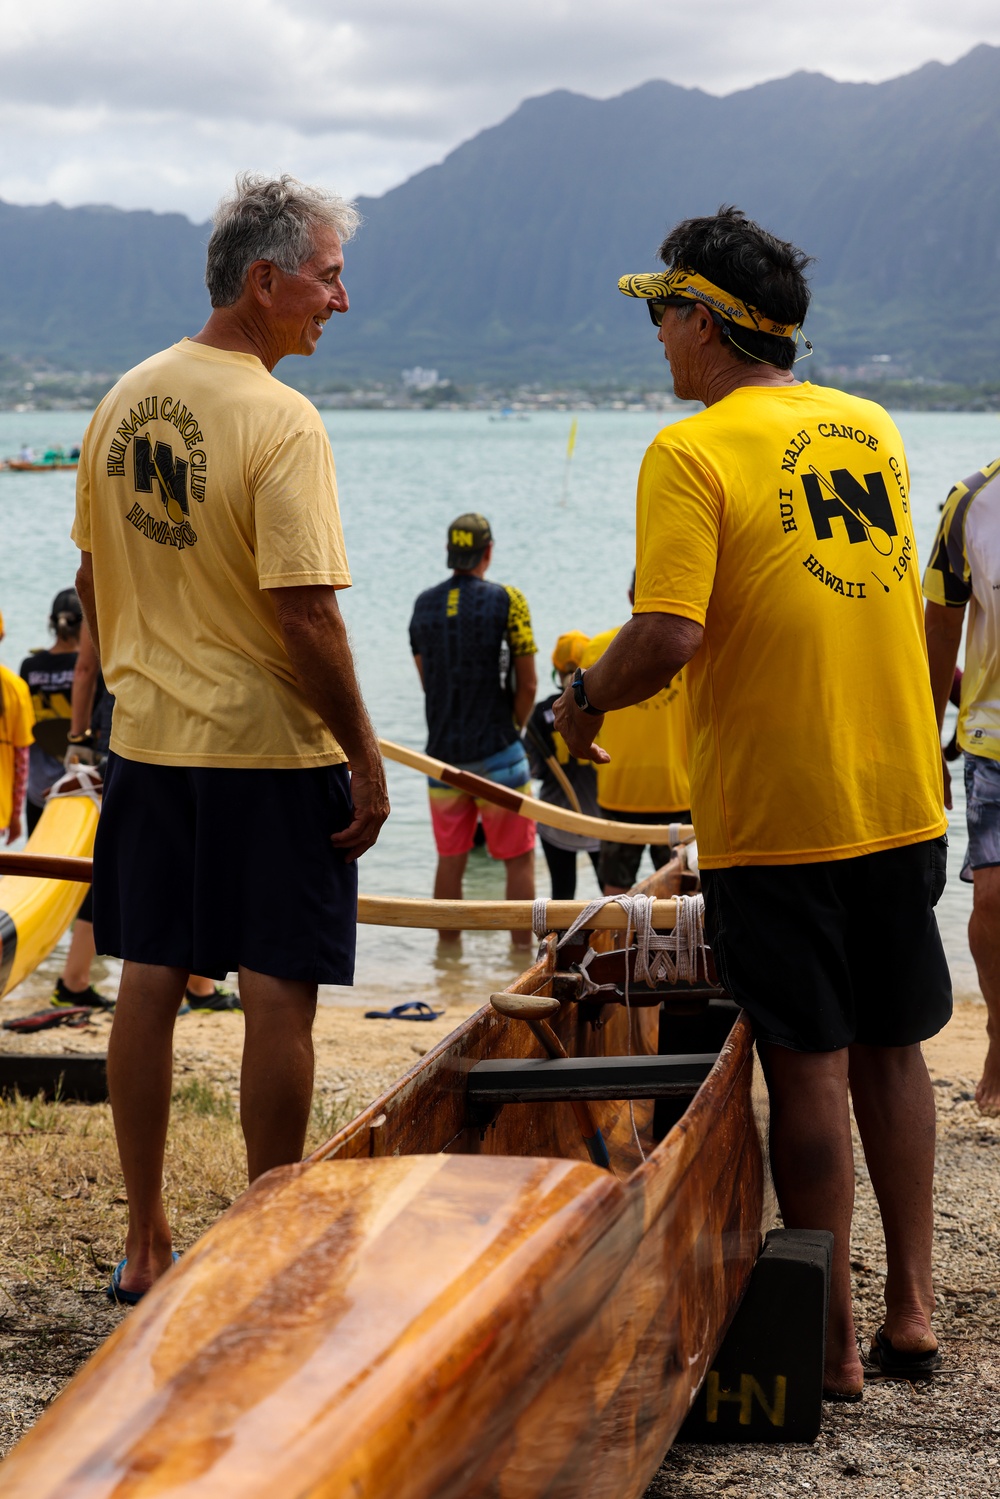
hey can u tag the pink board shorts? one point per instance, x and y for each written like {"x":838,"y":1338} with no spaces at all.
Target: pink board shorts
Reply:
{"x":454,"y":814}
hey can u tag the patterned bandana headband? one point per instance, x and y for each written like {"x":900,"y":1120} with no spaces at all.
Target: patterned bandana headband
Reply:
{"x":679,"y":283}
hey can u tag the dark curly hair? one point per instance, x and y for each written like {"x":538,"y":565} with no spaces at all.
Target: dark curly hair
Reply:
{"x":744,"y":259}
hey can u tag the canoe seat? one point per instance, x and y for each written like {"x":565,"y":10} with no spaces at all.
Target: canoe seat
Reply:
{"x":531,"y":1080}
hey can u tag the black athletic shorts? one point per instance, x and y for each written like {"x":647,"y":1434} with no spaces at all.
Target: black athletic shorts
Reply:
{"x":618,"y":863}
{"x":211,"y":870}
{"x":821,"y":955}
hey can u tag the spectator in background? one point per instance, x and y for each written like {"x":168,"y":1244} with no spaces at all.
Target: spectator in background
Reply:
{"x":475,"y":653}
{"x":16,"y":720}
{"x":647,"y":778}
{"x":546,"y":745}
{"x":960,"y":579}
{"x":49,"y":675}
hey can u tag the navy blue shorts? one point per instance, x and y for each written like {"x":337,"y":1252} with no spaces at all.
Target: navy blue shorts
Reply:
{"x":823,"y":955}
{"x":213,"y":870}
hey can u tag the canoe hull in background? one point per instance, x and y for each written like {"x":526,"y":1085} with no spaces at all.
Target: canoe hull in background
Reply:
{"x":430,"y":1310}
{"x":35,"y":913}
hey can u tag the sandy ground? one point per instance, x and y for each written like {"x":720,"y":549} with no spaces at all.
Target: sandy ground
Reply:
{"x":62,"y":1221}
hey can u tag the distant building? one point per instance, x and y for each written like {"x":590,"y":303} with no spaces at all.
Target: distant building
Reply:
{"x":420,"y":379}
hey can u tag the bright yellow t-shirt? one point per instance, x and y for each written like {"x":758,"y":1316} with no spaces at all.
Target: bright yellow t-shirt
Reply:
{"x":16,"y":720}
{"x":203,"y":481}
{"x":780,"y":520}
{"x":648,"y":745}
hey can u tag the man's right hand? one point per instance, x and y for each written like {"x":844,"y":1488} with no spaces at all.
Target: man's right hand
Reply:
{"x":947,"y":782}
{"x":370,"y":798}
{"x":579,"y":729}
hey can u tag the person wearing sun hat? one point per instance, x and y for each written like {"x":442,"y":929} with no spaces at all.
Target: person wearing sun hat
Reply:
{"x":475,"y":654}
{"x":546,"y":750}
{"x":775,"y":554}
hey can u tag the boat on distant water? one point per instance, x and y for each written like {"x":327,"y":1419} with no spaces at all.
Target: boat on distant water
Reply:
{"x":508,"y":414}
{"x":52,"y":459}
{"x":448,"y":1300}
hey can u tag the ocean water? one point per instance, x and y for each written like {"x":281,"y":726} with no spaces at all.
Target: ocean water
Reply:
{"x":403,"y":476}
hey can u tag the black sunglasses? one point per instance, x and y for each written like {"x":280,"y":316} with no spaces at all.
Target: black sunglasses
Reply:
{"x":658,"y":305}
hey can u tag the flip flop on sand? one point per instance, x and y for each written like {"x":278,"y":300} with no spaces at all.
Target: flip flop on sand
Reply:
{"x":414,"y":1009}
{"x":117,"y":1294}
{"x":43,"y":1020}
{"x":899,"y":1363}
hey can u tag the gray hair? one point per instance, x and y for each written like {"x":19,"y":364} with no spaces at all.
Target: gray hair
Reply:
{"x":269,"y":218}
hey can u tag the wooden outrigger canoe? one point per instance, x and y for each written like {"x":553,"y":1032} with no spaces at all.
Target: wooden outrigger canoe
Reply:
{"x":447,"y":1301}
{"x":34,"y":913}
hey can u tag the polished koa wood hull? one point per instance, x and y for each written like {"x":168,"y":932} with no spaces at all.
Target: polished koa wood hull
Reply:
{"x":436,"y":1308}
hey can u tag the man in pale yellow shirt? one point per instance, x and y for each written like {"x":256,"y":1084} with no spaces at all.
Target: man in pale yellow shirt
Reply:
{"x":211,"y":555}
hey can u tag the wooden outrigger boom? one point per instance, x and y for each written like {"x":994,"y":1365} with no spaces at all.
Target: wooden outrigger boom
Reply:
{"x":448,"y":1300}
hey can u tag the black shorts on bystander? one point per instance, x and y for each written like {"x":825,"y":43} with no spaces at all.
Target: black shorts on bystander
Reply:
{"x":210,"y":870}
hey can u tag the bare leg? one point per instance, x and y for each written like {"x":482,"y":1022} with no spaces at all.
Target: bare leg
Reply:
{"x":448,"y":885}
{"x":76,"y":969}
{"x":199,"y":986}
{"x":812,"y":1159}
{"x":984,"y":941}
{"x":521,"y":886}
{"x":277,"y":1079}
{"x":894,"y":1107}
{"x":140,"y":1071}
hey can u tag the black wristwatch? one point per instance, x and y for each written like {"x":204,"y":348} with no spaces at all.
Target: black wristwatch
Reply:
{"x":580,"y":694}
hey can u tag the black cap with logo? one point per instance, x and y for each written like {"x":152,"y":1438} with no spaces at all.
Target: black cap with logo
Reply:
{"x":468,"y":538}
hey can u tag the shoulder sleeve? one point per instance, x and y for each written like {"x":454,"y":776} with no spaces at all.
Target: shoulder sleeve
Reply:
{"x":80,"y":531}
{"x":297,"y":530}
{"x":522,"y":641}
{"x":948,"y":577}
{"x":23,"y":729}
{"x":678,"y":521}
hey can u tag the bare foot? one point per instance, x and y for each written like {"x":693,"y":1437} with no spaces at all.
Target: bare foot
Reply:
{"x":909,"y":1330}
{"x":144,"y":1266}
{"x":844,"y":1378}
{"x":988,"y":1091}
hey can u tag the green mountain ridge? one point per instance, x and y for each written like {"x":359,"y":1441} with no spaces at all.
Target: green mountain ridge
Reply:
{"x":501,"y":262}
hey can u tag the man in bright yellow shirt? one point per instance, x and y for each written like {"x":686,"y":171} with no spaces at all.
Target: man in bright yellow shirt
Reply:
{"x":775,"y":554}
{"x":646,"y":777}
{"x":211,"y":556}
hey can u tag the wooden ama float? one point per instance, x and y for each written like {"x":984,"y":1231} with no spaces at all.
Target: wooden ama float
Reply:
{"x":448,"y":1300}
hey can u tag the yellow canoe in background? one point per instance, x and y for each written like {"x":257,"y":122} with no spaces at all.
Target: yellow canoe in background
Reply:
{"x":35,"y":913}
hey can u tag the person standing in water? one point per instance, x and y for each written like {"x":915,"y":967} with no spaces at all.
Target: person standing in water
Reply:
{"x":475,"y":655}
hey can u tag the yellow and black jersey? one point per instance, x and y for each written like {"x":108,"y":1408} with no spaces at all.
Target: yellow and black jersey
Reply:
{"x":466,"y":632}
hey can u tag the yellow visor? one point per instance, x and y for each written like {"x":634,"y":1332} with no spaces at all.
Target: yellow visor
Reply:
{"x":695,"y":288}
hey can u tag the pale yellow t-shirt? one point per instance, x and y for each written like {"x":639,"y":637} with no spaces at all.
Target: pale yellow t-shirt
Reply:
{"x":648,"y":745}
{"x":780,"y":520}
{"x":204,"y":481}
{"x":16,"y":720}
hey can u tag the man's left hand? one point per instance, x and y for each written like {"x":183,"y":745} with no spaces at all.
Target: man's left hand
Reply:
{"x":371,"y":808}
{"x":579,"y":729}
{"x":14,"y":831}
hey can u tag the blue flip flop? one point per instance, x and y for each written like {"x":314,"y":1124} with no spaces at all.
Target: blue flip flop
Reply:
{"x":420,"y":1011}
{"x":116,"y":1292}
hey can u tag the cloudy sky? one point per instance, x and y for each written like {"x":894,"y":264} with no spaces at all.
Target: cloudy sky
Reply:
{"x":156,"y":106}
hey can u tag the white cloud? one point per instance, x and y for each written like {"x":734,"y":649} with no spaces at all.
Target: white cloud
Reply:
{"x":118,"y":103}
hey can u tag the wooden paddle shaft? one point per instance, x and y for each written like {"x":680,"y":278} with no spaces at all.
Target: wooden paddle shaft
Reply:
{"x":530,"y":806}
{"x":582,"y":1112}
{"x":48,"y":867}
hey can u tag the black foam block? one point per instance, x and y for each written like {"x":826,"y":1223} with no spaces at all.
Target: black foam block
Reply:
{"x":766,"y":1381}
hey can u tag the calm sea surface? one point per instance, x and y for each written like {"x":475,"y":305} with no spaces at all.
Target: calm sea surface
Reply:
{"x":403,"y":477}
